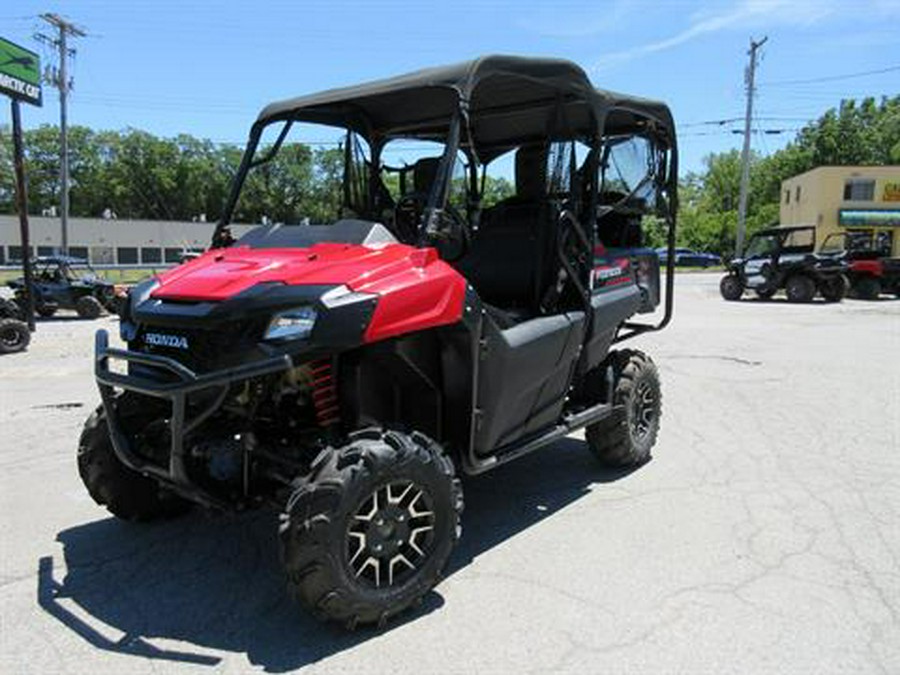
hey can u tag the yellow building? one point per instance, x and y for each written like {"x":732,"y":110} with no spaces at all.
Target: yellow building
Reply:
{"x":846,"y":198}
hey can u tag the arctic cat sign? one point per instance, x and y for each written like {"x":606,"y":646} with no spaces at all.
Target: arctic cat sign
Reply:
{"x":20,"y":73}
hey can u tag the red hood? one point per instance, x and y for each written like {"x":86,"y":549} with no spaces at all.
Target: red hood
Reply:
{"x":223,"y":273}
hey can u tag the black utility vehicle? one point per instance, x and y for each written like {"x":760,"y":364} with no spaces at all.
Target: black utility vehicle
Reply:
{"x":783,"y":258}
{"x":61,"y":282}
{"x":345,"y":374}
{"x":14,"y":333}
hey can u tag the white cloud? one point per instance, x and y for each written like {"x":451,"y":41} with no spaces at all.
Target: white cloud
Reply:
{"x":557,"y":22}
{"x":747,"y":15}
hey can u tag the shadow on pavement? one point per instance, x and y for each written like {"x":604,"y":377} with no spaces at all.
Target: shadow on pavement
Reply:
{"x":216,"y":582}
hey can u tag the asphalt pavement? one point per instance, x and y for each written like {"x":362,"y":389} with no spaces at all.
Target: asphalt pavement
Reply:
{"x":764,"y":536}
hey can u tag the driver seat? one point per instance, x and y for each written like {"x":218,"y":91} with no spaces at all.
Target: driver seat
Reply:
{"x":507,"y":262}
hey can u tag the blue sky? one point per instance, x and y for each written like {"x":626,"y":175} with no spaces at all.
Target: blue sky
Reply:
{"x":206,"y":68}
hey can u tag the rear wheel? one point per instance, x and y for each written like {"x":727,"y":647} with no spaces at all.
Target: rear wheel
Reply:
{"x":867,"y":288}
{"x":46,"y":311}
{"x":14,"y":336}
{"x":800,"y":288}
{"x":126,"y":494}
{"x":731,"y":287}
{"x":88,"y":307}
{"x":369,"y":531}
{"x":833,"y":289}
{"x":626,"y":438}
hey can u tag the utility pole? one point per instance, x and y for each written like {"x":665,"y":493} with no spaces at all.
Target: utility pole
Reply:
{"x":749,"y":76}
{"x":59,"y":78}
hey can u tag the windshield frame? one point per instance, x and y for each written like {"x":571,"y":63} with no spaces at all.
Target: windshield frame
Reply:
{"x":437,"y":196}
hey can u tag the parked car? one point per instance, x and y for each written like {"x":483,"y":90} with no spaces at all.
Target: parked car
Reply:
{"x":685,"y":257}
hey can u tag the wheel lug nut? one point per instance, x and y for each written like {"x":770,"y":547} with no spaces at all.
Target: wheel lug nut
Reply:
{"x":399,"y":542}
{"x":401,"y":518}
{"x":377,"y":548}
{"x":379,"y":522}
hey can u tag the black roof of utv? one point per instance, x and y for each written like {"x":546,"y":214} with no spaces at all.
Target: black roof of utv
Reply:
{"x":509,"y":99}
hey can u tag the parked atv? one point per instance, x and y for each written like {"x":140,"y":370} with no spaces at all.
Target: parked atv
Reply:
{"x":14,"y":333}
{"x":871,"y":270}
{"x":61,"y":282}
{"x":782,"y":258}
{"x":346,"y":374}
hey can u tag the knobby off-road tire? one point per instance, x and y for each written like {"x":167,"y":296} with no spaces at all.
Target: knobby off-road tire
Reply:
{"x":10,"y":309}
{"x":382,"y":497}
{"x":731,"y":287}
{"x":14,"y":336}
{"x":834,"y":289}
{"x":46,"y":311}
{"x":125,"y":494}
{"x":88,"y":307}
{"x":867,"y":288}
{"x":800,"y":288}
{"x":627,"y":439}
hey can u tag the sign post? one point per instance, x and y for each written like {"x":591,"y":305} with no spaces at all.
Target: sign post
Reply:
{"x":20,"y":79}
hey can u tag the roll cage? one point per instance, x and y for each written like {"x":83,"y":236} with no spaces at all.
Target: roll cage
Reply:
{"x":484,"y":109}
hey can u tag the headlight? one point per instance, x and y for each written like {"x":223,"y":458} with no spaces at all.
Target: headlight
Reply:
{"x":293,"y":324}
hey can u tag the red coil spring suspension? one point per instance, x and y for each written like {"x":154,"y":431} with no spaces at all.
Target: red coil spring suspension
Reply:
{"x":325,"y":397}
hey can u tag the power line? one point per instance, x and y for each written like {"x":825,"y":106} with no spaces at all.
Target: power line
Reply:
{"x":831,"y":78}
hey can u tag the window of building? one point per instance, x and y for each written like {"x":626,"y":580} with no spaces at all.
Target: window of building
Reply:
{"x":859,"y":190}
{"x":127,"y":255}
{"x":15,"y":253}
{"x":2,"y":255}
{"x":173,"y":255}
{"x":787,"y":196}
{"x":79,"y":252}
{"x":151,"y":256}
{"x":797,"y":195}
{"x":46,"y":250}
{"x":102,"y":255}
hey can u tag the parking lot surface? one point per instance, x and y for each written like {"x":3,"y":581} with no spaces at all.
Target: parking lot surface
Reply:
{"x":764,"y":537}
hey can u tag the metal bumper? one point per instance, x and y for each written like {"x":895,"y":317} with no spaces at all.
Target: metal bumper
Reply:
{"x":175,"y":475}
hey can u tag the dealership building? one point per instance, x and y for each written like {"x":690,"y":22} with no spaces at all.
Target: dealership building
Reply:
{"x":103,"y":241}
{"x":846,"y":199}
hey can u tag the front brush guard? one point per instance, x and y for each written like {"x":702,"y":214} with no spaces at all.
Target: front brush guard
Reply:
{"x":175,"y":476}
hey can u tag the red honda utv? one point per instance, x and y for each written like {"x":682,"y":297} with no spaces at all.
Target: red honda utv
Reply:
{"x":346,"y":373}
{"x":871,"y":269}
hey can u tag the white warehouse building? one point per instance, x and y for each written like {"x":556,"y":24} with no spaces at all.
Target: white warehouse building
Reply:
{"x":109,"y":241}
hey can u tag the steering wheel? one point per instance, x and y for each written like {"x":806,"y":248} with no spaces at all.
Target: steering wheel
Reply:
{"x":452,"y":238}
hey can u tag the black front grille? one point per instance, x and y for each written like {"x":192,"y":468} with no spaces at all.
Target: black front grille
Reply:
{"x":203,"y":350}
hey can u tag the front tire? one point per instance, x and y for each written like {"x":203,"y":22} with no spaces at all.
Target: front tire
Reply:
{"x":88,"y":307}
{"x":14,"y":336}
{"x":626,"y":439}
{"x":369,"y":531}
{"x":833,"y":289}
{"x":867,"y":288}
{"x":800,"y":288}
{"x":125,"y":494}
{"x":731,"y":287}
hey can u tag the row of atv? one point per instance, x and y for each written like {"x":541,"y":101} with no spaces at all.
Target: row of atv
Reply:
{"x":783,"y":258}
